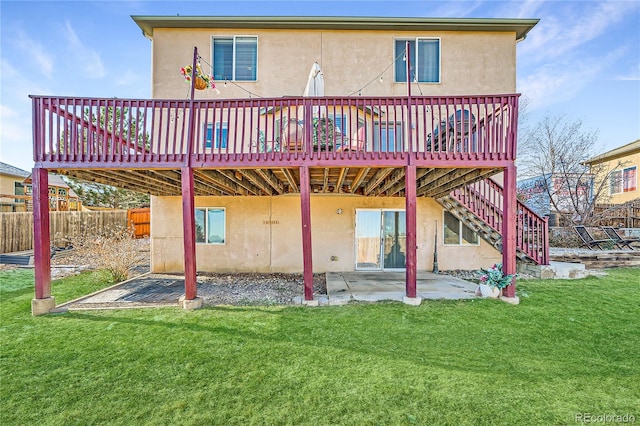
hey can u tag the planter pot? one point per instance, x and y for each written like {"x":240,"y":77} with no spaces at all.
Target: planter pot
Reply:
{"x":488,"y":291}
{"x":199,"y":83}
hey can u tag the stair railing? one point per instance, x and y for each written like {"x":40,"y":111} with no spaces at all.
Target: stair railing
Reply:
{"x":484,"y":199}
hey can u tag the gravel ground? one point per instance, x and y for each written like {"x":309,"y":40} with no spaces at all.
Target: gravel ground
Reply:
{"x":215,"y":288}
{"x":255,"y":288}
{"x":225,"y":288}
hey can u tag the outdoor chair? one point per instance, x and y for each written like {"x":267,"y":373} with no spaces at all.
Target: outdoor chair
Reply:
{"x":619,"y":240}
{"x":589,"y":241}
{"x":456,"y":129}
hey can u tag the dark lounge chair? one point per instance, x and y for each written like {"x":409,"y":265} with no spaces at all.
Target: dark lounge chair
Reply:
{"x":619,"y":240}
{"x":590,"y":242}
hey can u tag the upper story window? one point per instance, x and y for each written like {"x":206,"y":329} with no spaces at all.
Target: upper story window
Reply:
{"x":388,"y":137}
{"x":424,"y":60}
{"x":218,"y":139}
{"x":235,"y":58}
{"x":623,"y":180}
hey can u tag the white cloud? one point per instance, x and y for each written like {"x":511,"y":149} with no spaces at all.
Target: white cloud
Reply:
{"x":15,"y":137}
{"x":128,"y":78}
{"x":90,"y":60}
{"x":558,"y":34}
{"x":42,"y":58}
{"x":561,"y":81}
{"x":631,"y":75}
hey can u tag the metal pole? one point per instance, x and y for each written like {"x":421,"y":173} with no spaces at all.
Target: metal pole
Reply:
{"x":408,"y":53}
{"x":435,"y":251}
{"x":193,"y":72}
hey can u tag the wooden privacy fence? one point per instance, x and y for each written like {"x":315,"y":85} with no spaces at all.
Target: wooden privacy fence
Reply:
{"x":16,"y":229}
{"x":625,"y":215}
{"x":140,"y":220}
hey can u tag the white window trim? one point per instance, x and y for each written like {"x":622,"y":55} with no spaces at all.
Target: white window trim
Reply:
{"x":621,"y":183}
{"x":416,"y":41}
{"x":233,"y":67}
{"x":224,"y":236}
{"x":214,"y":135}
{"x":460,"y":243}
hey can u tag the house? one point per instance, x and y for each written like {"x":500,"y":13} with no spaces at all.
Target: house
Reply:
{"x":11,"y":184}
{"x":413,"y":135}
{"x":561,"y":197}
{"x":620,"y":167}
{"x":16,"y":191}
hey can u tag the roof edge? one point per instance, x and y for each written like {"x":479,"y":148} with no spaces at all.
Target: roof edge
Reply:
{"x":520,"y":26}
{"x":622,"y":151}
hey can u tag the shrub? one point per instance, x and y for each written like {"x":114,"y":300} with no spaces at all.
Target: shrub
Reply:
{"x":113,"y":249}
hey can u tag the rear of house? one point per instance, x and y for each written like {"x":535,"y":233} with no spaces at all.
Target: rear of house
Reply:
{"x":354,"y":226}
{"x":409,"y":148}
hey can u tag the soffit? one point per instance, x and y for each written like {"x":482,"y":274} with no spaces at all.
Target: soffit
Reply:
{"x":518,"y":26}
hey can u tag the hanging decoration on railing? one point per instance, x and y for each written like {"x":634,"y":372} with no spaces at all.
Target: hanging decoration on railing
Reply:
{"x":202,"y":80}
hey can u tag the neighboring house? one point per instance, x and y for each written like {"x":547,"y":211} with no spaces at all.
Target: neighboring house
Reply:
{"x":362,"y":176}
{"x":557,"y":195}
{"x":11,"y":183}
{"x":620,"y":167}
{"x":17,"y":182}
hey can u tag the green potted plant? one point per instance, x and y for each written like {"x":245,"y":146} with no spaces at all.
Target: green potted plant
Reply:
{"x":493,"y":280}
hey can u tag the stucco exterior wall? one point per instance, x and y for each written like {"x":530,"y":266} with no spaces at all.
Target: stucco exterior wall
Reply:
{"x":471,"y":62}
{"x":7,"y":185}
{"x":263,"y":234}
{"x":628,"y":161}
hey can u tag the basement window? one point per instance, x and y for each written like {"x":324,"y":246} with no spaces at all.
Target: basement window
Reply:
{"x":457,"y":233}
{"x":210,"y":225}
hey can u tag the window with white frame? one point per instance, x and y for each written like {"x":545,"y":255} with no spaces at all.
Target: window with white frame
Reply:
{"x":388,"y":136}
{"x":625,"y":180}
{"x":210,"y":225}
{"x":424,"y":60}
{"x":235,"y":58}
{"x":218,"y":139}
{"x":457,"y":233}
{"x":339,"y":122}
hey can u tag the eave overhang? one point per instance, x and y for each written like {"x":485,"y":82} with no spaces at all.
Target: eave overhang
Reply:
{"x":518,"y":26}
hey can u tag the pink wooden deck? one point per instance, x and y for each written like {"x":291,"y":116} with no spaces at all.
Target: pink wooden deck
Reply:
{"x":400,"y":146}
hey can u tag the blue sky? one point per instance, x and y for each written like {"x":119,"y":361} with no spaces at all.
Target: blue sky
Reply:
{"x":581,"y":60}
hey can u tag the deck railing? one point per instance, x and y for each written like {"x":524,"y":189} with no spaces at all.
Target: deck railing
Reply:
{"x":135,"y":133}
{"x":484,"y":199}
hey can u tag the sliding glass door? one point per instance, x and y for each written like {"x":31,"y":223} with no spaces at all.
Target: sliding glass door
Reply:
{"x":380,"y":239}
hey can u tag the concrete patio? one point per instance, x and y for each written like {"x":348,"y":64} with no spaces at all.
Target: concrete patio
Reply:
{"x":344,"y":287}
{"x":151,"y":290}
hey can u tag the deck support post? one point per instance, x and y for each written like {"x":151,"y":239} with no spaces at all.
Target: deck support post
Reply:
{"x":43,"y":302}
{"x":509,"y":210}
{"x":411,"y":256}
{"x":305,"y":207}
{"x":189,"y":228}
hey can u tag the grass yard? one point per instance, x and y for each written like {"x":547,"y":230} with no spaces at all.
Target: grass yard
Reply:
{"x":570,"y":347}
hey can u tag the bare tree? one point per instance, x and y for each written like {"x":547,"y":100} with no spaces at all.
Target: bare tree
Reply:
{"x":553,"y":153}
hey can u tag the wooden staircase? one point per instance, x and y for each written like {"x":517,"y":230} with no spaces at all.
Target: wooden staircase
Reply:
{"x":479,"y":206}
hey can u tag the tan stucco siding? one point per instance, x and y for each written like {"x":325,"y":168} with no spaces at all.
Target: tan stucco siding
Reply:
{"x":7,"y":184}
{"x":471,"y":62}
{"x":619,"y":164}
{"x":263,"y":234}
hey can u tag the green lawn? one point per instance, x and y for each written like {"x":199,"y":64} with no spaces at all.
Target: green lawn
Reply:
{"x":570,"y":347}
